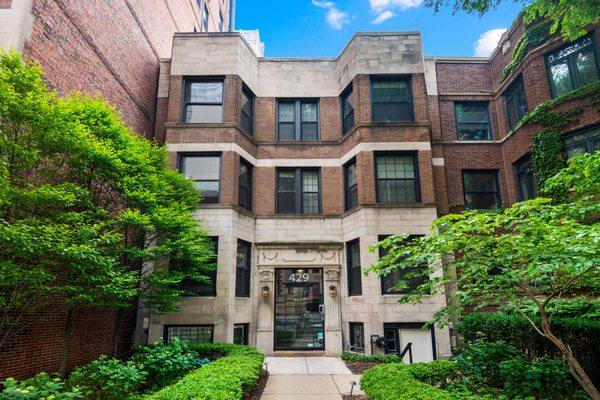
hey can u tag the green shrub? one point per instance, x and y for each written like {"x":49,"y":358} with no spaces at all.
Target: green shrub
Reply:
{"x":108,"y":379}
{"x":164,"y":363}
{"x":480,"y":361}
{"x":41,"y":386}
{"x":544,"y":378}
{"x":436,"y":373}
{"x":376,"y":358}
{"x":393,"y":381}
{"x":227,"y":378}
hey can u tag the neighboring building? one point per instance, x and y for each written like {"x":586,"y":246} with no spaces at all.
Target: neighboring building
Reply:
{"x":304,"y":163}
{"x":112,"y":48}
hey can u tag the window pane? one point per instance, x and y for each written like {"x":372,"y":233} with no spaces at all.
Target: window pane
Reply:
{"x":193,"y":334}
{"x":310,"y":203}
{"x":351,"y":174}
{"x":286,"y":203}
{"x":395,"y":167}
{"x":473,"y":132}
{"x":287,"y":131}
{"x":582,"y":143}
{"x":310,"y":181}
{"x":242,"y":277}
{"x":480,"y":181}
{"x":390,"y":91}
{"x":247,"y":111}
{"x":309,"y":112}
{"x":286,"y":181}
{"x":587,"y":67}
{"x":389,"y":112}
{"x":357,"y":336}
{"x":571,"y":49}
{"x":471,"y":113}
{"x":204,"y":114}
{"x":354,"y":272}
{"x":482,"y":200}
{"x":198,"y":167}
{"x":205,"y":92}
{"x":396,"y":191}
{"x":240,"y":334}
{"x":209,"y":190}
{"x":286,"y":111}
{"x":561,"y":79}
{"x":481,"y":189}
{"x":310,"y":131}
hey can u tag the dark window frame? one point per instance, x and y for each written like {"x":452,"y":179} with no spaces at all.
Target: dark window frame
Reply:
{"x":246,"y":327}
{"x":298,"y":118}
{"x":586,"y":142}
{"x":245,"y":290}
{"x":384,"y":291}
{"x":574,"y":76}
{"x":524,"y":165}
{"x":248,"y":188}
{"x":415,"y":156}
{"x":352,"y":337}
{"x":511,"y":93}
{"x":411,"y":104}
{"x":248,"y":93}
{"x":387,"y":326}
{"x":347,"y":188}
{"x":350,"y":267}
{"x":212,"y":274}
{"x":182,"y":155}
{"x":486,"y":105}
{"x":187,"y":82}
{"x":497,"y":175}
{"x":346,"y":127}
{"x":166,"y":337}
{"x":298,"y":190}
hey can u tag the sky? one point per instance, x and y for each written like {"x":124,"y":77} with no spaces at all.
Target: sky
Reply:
{"x":321,"y":28}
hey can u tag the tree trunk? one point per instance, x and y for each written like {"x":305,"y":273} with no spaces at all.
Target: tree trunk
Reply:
{"x":65,"y":345}
{"x":574,"y":367}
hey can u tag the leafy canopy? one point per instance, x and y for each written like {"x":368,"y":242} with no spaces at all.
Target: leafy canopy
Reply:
{"x":86,"y":205}
{"x":537,"y":250}
{"x":569,"y":17}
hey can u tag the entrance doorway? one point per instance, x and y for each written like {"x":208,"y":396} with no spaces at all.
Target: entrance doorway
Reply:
{"x":299,"y":310}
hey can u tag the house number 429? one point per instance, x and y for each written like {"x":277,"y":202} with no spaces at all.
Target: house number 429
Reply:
{"x":298,"y":277}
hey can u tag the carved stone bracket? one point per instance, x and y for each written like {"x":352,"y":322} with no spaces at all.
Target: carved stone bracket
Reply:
{"x":332,"y":274}
{"x":266,"y":275}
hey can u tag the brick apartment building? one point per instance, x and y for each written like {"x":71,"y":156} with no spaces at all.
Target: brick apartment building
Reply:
{"x":304,"y":163}
{"x":111,"y":47}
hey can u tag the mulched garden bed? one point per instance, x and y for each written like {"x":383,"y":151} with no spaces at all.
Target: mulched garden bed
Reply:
{"x":358,"y":367}
{"x":354,"y":397}
{"x":257,"y":391}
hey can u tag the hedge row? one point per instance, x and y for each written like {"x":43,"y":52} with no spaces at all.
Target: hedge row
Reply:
{"x":583,"y":335}
{"x":226,"y":378}
{"x":421,"y":381}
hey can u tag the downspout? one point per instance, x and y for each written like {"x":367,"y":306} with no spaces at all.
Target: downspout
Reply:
{"x":231,"y":15}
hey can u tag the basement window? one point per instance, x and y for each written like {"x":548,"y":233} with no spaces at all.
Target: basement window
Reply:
{"x":190,"y":333}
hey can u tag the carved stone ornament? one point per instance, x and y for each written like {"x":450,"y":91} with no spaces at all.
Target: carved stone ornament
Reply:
{"x":332,"y":274}
{"x":266,"y":275}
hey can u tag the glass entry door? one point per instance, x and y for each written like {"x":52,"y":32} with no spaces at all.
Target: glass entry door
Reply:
{"x":299,"y":312}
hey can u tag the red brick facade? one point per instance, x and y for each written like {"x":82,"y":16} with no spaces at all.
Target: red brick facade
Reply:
{"x":110,"y":48}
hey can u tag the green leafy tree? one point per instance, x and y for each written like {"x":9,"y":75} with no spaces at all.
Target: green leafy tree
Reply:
{"x":534,"y":252}
{"x":570,"y":17}
{"x":90,"y":213}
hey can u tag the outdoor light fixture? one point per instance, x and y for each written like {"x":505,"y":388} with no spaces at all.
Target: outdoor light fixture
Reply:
{"x":333,"y":290}
{"x":266,"y":291}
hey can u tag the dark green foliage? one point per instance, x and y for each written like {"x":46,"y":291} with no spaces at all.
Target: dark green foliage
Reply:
{"x":42,"y":386}
{"x":165,"y":363}
{"x":227,"y":378}
{"x":547,"y":143}
{"x":437,"y":380}
{"x":376,"y":358}
{"x":481,"y":360}
{"x":543,"y":379}
{"x":108,"y":379}
{"x":583,"y":334}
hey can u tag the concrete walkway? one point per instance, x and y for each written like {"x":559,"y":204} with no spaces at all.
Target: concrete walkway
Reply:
{"x":308,"y":378}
